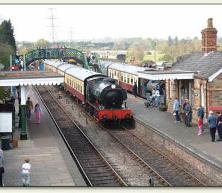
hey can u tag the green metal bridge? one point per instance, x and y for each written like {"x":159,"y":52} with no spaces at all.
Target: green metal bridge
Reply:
{"x":56,"y":53}
{"x":59,"y":53}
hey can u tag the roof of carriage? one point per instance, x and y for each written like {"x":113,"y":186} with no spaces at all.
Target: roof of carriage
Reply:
{"x":105,"y":63}
{"x":80,"y":73}
{"x":65,"y":66}
{"x":127,"y":68}
{"x":54,"y":63}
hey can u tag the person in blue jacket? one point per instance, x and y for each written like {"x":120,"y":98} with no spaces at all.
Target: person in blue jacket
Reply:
{"x":212,"y":122}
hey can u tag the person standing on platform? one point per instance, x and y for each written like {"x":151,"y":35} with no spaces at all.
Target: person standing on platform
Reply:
{"x":176,"y":108}
{"x":29,"y":107}
{"x":188,"y":113}
{"x":37,"y":113}
{"x":1,"y":166}
{"x":219,"y":126}
{"x":135,"y":89}
{"x":200,"y":115}
{"x":212,"y":122}
{"x":26,"y":170}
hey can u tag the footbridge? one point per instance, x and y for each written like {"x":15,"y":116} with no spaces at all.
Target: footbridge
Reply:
{"x":54,"y":53}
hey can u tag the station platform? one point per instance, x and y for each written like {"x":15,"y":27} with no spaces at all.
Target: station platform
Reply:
{"x":52,"y":164}
{"x":164,"y":122}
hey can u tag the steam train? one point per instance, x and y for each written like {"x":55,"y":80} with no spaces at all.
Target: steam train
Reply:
{"x":100,"y":94}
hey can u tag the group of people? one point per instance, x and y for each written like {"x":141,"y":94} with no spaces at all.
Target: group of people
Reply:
{"x":37,"y":110}
{"x":154,"y":99}
{"x":187,"y":110}
{"x":214,"y":120}
{"x":25,"y":171}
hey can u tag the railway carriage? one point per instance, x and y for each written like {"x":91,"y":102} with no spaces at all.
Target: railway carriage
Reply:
{"x":126,"y":75}
{"x":61,"y":69}
{"x":52,"y":65}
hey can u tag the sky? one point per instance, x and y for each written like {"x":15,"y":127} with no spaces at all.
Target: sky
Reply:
{"x":87,"y":22}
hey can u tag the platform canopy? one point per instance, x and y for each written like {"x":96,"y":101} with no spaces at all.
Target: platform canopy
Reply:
{"x":166,"y":75}
{"x":26,"y":78}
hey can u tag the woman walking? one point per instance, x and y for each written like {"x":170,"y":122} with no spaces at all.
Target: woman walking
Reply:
{"x":37,"y":113}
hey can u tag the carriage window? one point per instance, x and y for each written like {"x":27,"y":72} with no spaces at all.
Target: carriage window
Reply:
{"x":131,"y":80}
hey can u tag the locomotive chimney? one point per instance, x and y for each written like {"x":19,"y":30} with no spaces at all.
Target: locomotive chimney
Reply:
{"x":209,"y":37}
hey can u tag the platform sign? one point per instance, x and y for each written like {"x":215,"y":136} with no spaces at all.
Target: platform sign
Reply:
{"x":5,"y":122}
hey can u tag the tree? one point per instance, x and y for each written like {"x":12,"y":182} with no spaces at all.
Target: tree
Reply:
{"x":170,"y":41}
{"x":5,"y":51}
{"x":135,"y":53}
{"x":7,"y":34}
{"x":41,"y":43}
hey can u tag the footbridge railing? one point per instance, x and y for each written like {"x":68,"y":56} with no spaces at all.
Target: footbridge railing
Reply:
{"x":56,"y":53}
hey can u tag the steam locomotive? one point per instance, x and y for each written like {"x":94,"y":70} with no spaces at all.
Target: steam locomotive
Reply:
{"x":100,"y":94}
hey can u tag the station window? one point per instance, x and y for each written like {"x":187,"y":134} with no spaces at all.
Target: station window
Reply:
{"x":121,"y":78}
{"x":124,"y":79}
{"x":128,"y":80}
{"x":114,"y":73}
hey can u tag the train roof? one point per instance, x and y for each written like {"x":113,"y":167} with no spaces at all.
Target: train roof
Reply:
{"x":81,"y":73}
{"x":63,"y":67}
{"x":127,"y":68}
{"x":104,"y":63}
{"x":54,"y":63}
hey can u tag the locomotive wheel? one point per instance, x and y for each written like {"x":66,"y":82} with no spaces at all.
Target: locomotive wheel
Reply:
{"x":104,"y":121}
{"x":130,"y":123}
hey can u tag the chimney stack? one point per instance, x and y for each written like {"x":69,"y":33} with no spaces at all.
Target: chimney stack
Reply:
{"x":209,"y":37}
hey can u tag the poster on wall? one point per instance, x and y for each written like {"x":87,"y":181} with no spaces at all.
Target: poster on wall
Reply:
{"x":5,"y":122}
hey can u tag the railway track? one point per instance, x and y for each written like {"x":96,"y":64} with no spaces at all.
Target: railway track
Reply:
{"x":93,"y":166}
{"x":165,"y":171}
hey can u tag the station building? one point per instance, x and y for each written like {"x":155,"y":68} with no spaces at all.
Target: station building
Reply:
{"x":196,"y":76}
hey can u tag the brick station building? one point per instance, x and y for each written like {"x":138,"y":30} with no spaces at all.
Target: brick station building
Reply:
{"x":196,"y":76}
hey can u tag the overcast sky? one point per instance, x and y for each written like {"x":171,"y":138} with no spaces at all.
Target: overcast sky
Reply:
{"x":117,"y":21}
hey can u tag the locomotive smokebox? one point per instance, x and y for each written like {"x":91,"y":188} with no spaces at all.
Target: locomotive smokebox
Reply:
{"x":112,"y":97}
